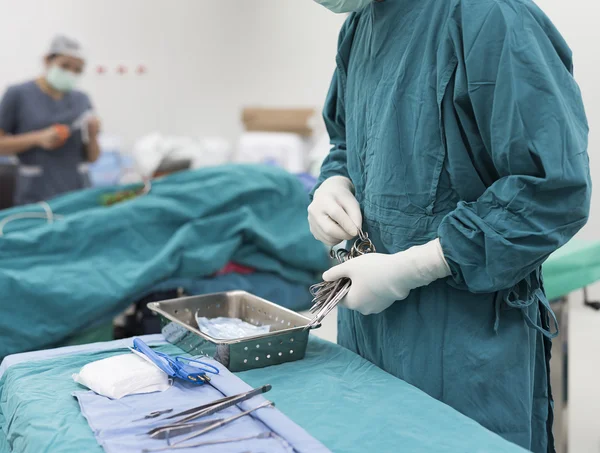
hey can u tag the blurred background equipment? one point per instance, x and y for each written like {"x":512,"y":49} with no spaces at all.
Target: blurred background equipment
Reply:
{"x":8,"y":176}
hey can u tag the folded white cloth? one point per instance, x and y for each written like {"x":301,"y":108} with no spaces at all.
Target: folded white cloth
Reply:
{"x":122,"y":375}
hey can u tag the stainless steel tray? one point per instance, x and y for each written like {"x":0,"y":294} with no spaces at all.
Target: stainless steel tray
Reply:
{"x":286,"y":342}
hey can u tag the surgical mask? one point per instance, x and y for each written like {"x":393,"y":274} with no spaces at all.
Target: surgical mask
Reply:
{"x":61,"y":80}
{"x":344,"y":6}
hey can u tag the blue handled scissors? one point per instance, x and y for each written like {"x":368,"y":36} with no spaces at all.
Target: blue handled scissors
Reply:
{"x":190,"y":370}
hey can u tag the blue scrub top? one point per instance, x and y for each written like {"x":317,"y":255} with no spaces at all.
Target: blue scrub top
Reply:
{"x":44,"y":174}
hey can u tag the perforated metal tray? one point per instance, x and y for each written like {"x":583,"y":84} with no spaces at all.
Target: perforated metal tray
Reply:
{"x":286,"y":342}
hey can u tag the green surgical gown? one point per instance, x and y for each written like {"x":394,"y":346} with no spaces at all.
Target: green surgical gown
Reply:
{"x":460,"y":119}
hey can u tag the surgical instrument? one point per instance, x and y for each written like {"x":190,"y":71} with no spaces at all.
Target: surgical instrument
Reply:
{"x":154,"y":414}
{"x":176,"y":367}
{"x":168,"y":432}
{"x":327,"y":295}
{"x":219,"y":405}
{"x":211,"y":442}
{"x":217,"y":425}
{"x":183,"y":426}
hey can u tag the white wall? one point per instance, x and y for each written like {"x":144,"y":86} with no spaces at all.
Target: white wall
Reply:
{"x":206,"y":59}
{"x":578,"y":22}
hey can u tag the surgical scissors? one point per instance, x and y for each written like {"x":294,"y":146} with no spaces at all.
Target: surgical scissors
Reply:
{"x":327,"y":295}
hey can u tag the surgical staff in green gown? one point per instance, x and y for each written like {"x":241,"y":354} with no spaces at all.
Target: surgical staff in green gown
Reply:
{"x":460,"y":144}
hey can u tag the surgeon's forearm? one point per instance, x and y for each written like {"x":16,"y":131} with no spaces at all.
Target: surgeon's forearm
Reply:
{"x":93,"y":149}
{"x":15,"y":144}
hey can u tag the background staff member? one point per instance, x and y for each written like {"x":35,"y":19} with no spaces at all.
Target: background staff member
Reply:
{"x":52,"y":160}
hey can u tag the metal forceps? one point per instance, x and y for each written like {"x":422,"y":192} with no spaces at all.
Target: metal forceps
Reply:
{"x":327,"y":295}
{"x":183,"y":426}
{"x":218,"y":424}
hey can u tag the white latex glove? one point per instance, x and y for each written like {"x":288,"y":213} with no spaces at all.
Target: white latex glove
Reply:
{"x":379,"y":280}
{"x":334,"y":215}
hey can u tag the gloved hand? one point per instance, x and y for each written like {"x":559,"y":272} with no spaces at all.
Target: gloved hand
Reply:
{"x":334,"y":215}
{"x":379,"y":280}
